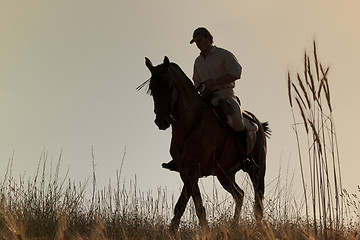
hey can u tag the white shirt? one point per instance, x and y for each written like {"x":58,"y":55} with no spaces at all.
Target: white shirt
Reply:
{"x":217,"y":64}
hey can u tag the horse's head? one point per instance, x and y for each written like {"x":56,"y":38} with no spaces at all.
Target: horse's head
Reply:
{"x":162,"y":89}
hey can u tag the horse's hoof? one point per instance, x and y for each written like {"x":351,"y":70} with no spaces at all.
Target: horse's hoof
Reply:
{"x":205,"y":227}
{"x":174,"y":226}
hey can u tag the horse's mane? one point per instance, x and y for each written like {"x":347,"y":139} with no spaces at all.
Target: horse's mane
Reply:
{"x":172,"y":64}
{"x":180,"y":70}
{"x":183,"y":74}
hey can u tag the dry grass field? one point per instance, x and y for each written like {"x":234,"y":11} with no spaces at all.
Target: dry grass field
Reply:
{"x":47,"y":207}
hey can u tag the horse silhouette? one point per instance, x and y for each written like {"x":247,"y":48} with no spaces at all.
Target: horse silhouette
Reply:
{"x":200,"y":146}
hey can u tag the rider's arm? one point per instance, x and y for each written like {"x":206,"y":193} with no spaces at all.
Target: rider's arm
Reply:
{"x":232,"y":71}
{"x":226,"y":79}
{"x":232,"y":65}
{"x":196,"y":77}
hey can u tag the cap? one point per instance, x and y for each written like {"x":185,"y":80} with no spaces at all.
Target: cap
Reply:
{"x":198,"y":33}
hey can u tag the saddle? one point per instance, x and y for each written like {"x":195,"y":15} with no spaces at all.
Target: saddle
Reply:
{"x":221,"y":109}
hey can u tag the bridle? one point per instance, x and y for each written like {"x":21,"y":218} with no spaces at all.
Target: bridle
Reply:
{"x":174,"y":98}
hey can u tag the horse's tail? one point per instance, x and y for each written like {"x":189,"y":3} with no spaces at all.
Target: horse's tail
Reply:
{"x":266,"y":128}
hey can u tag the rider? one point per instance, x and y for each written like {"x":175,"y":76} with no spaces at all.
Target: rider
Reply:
{"x":217,"y":69}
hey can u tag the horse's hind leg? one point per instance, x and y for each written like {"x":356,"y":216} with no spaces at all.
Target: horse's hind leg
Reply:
{"x":258,"y":183}
{"x":229,"y":184}
{"x":257,"y":175}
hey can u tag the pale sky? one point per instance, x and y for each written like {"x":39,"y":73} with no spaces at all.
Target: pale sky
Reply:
{"x":69,"y":69}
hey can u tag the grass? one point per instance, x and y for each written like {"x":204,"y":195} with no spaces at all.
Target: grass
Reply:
{"x":47,"y":206}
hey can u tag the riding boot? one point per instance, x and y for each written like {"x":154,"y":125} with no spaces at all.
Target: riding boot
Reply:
{"x":242,"y":136}
{"x":170,"y":165}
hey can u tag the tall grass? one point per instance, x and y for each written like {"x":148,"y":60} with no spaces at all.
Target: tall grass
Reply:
{"x":310,"y":101}
{"x":47,"y":206}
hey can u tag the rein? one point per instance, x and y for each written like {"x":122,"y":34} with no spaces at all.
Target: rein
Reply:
{"x":185,"y":112}
{"x":174,"y":99}
{"x":192,"y":105}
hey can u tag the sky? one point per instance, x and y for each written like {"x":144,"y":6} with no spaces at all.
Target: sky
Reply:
{"x":69,"y":72}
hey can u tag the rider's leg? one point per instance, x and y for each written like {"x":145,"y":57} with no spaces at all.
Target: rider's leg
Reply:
{"x":170,"y":165}
{"x":237,"y":120}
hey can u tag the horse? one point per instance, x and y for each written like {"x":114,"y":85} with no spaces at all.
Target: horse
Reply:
{"x":200,"y":146}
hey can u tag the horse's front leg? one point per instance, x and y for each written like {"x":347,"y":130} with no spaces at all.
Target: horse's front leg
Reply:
{"x":189,"y":189}
{"x":200,"y":210}
{"x":179,"y":209}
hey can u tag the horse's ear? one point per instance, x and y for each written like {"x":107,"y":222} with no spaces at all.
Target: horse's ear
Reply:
{"x":166,"y":62}
{"x":149,"y":64}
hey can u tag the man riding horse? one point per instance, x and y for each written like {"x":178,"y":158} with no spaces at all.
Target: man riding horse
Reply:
{"x":215,"y":71}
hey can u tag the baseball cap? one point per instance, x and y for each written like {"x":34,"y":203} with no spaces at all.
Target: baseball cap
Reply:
{"x":198,"y":33}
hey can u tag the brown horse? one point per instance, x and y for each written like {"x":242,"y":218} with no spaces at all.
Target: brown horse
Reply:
{"x":200,"y":146}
